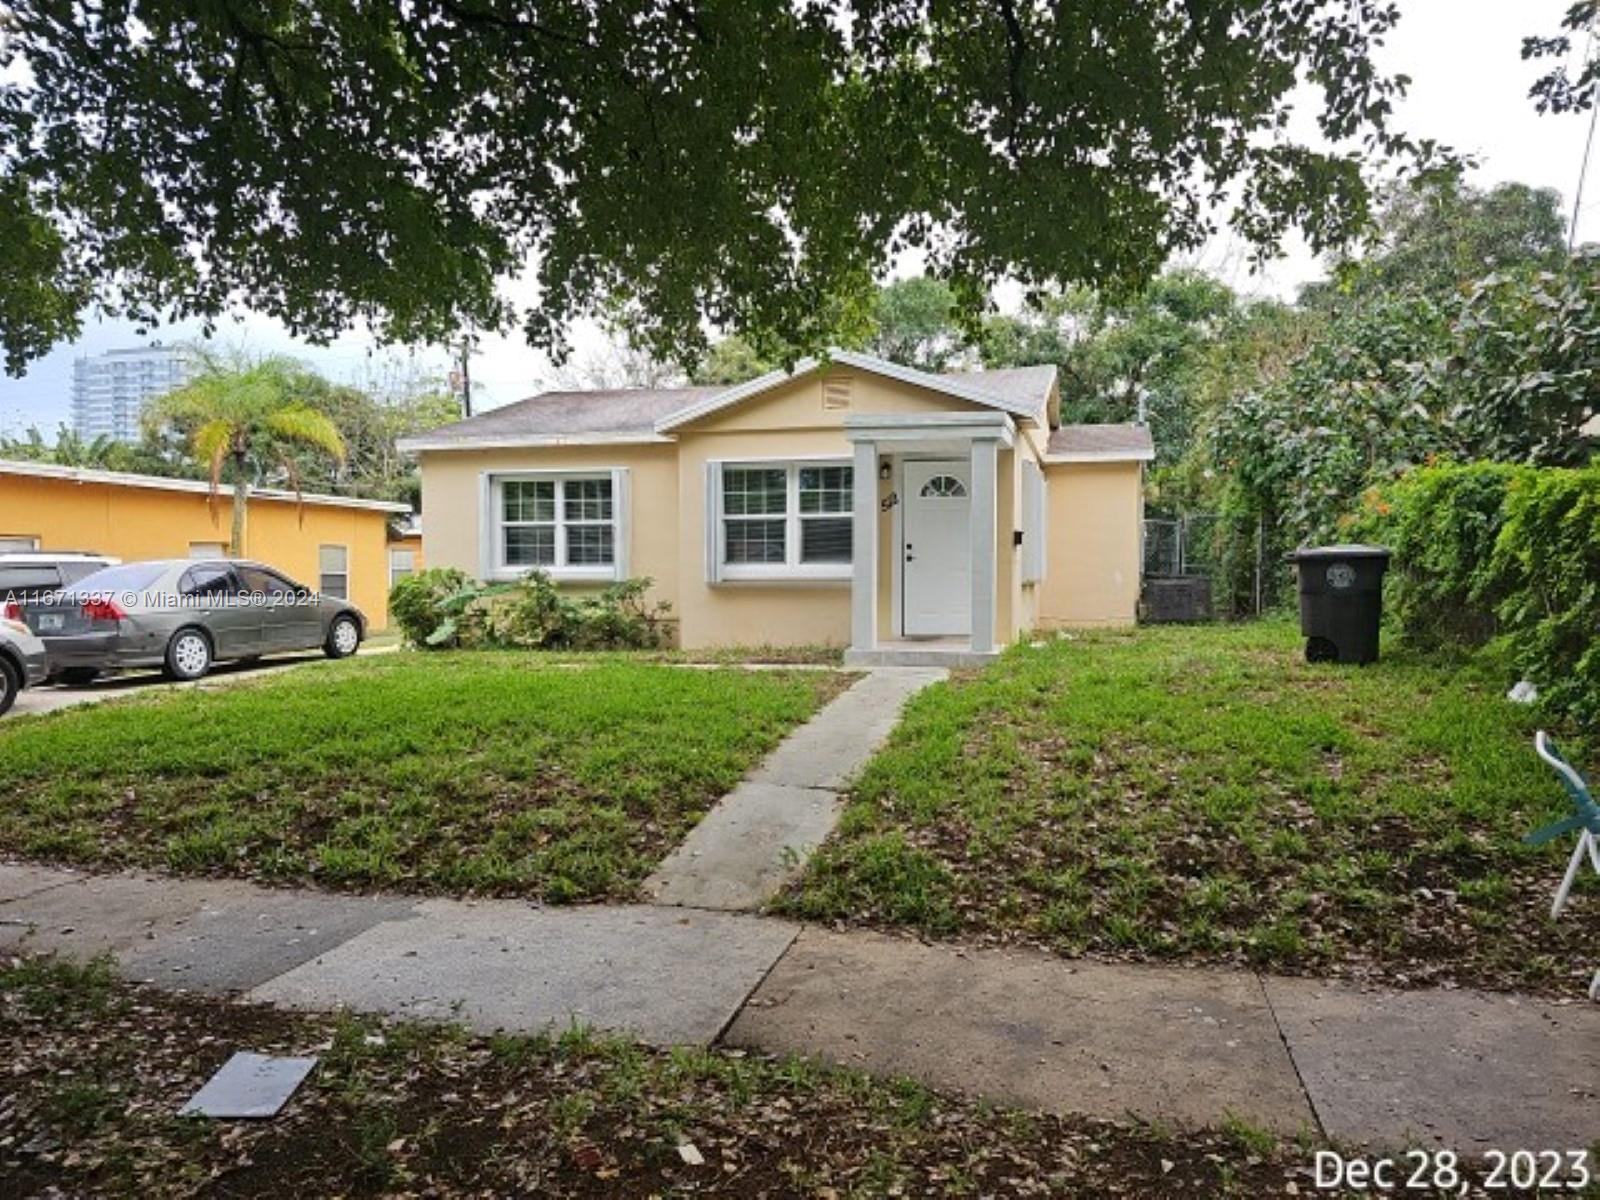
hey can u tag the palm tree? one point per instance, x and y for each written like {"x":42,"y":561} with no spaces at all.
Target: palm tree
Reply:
{"x":251,"y":419}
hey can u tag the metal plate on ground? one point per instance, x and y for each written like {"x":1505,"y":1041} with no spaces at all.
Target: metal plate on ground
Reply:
{"x":249,"y":1086}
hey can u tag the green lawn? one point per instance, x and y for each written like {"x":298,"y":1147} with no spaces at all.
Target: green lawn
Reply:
{"x":1203,"y":794}
{"x":495,"y":773}
{"x":96,"y":1071}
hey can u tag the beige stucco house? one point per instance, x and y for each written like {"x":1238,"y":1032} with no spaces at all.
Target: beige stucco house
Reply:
{"x":910,"y":517}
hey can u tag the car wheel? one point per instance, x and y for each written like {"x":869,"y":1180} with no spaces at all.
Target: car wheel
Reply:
{"x":344,"y":637}
{"x":10,"y":685}
{"x":188,"y":655}
{"x":78,"y":676}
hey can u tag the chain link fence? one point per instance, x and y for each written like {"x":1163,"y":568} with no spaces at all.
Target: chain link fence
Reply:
{"x":1236,"y":556}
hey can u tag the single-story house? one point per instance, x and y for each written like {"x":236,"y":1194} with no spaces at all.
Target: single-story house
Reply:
{"x":852,"y":501}
{"x":336,"y":544}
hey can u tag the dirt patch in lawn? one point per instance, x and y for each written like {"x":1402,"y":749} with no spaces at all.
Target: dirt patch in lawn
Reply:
{"x":96,"y":1070}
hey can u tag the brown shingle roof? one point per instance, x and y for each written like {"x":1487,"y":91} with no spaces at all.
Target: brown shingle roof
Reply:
{"x":1107,"y":443}
{"x":619,"y":412}
{"x":633,"y":413}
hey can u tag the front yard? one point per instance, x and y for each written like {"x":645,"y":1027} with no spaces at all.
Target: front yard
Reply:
{"x":96,"y":1072}
{"x":485,"y":772}
{"x":1202,"y":794}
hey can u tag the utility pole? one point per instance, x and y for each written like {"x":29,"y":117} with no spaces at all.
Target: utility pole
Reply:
{"x":461,"y":377}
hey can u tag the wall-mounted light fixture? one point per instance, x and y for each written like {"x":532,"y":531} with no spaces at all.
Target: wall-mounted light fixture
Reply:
{"x":885,"y":470}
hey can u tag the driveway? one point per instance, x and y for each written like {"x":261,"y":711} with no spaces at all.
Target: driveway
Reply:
{"x":54,"y":697}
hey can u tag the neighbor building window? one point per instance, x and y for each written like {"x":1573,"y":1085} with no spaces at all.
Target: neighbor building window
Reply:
{"x":333,"y":571}
{"x":567,"y":525}
{"x":14,"y":543}
{"x":402,"y":565}
{"x":785,"y":519}
{"x":208,"y":550}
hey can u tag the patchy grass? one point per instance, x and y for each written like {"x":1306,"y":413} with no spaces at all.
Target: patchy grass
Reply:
{"x":474,"y":772}
{"x":96,"y":1070}
{"x":1204,"y":794}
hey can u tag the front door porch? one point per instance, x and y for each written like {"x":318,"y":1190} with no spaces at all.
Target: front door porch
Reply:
{"x":923,"y":586}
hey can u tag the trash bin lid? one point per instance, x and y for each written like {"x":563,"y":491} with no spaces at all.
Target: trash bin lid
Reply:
{"x":1350,"y":550}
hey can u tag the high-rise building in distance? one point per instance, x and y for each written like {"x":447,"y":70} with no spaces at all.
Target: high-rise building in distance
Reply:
{"x":109,"y":390}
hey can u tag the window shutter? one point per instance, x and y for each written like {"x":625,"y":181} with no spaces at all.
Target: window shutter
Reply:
{"x":621,"y":520}
{"x":1033,"y":531}
{"x":713,"y":521}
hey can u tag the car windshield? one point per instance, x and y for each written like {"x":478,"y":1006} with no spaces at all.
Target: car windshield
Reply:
{"x":130,"y":577}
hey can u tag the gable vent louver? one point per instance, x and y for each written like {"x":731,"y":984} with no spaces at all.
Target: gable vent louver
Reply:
{"x":836,"y":392}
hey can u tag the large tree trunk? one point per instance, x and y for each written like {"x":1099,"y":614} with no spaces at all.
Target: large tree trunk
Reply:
{"x":241,"y":490}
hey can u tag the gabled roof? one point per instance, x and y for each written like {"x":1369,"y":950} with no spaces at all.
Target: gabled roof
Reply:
{"x":84,"y":475}
{"x":651,"y":414}
{"x":1100,"y":443}
{"x":1023,"y":392}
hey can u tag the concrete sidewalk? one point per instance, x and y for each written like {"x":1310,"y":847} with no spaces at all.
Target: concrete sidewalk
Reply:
{"x":1454,"y":1069}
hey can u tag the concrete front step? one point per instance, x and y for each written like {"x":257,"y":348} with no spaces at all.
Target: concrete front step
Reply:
{"x":919,"y":656}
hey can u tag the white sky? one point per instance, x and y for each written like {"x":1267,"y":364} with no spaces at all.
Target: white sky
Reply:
{"x":1469,"y":90}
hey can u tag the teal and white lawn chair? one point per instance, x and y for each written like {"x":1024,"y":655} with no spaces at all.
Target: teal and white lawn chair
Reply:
{"x":1585,"y":822}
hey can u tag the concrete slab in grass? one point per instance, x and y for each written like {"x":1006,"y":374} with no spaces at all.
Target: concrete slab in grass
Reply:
{"x":746,"y":848}
{"x":1466,"y":1071}
{"x":1187,"y":1046}
{"x":19,"y":880}
{"x":208,"y":935}
{"x":666,"y":975}
{"x":831,"y":748}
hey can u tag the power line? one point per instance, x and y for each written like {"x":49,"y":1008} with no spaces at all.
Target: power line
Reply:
{"x":1588,"y":146}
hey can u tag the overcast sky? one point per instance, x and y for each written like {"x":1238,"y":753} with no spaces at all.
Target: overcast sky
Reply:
{"x":1469,"y":90}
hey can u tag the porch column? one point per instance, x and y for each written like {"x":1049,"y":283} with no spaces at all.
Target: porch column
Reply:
{"x":985,"y":458}
{"x":864,"y":549}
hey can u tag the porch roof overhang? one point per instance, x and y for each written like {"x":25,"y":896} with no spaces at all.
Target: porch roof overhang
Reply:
{"x":930,"y":432}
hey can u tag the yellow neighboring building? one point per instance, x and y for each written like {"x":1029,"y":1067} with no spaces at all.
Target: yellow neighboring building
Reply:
{"x":907,"y":516}
{"x":335,"y":544}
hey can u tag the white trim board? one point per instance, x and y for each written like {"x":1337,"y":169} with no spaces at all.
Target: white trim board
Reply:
{"x":861,"y":362}
{"x":160,"y":483}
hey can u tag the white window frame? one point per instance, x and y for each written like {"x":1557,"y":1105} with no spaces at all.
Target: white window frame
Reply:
{"x":493,"y":549}
{"x":323,"y":576}
{"x":407,"y":571}
{"x":720,"y":570}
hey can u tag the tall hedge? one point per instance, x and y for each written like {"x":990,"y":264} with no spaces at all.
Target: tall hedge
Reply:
{"x":1490,"y":552}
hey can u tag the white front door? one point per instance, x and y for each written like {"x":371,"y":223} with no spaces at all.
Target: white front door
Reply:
{"x":936,"y":549}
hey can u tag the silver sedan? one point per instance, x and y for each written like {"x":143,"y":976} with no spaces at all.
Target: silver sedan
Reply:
{"x":22,"y":661}
{"x":183,"y":615}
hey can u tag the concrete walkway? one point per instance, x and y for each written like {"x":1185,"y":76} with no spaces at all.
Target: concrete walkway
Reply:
{"x":760,"y":835}
{"x":1462,"y":1070}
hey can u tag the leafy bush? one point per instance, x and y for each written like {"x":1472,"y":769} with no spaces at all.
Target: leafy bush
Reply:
{"x":1442,"y":523}
{"x":1494,"y":554}
{"x":444,"y":608}
{"x":1547,"y":567}
{"x":416,"y":602}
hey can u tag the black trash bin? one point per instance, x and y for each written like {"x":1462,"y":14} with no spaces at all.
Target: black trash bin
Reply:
{"x":1341,"y":601}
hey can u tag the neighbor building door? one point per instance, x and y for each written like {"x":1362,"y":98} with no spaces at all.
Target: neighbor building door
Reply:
{"x":936,"y":549}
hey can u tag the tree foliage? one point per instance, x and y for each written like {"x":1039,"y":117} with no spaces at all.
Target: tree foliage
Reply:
{"x":681,"y":162}
{"x":1508,"y":370}
{"x":1439,"y":234}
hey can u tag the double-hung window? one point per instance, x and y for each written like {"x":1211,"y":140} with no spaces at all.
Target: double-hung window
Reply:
{"x":565,"y":525}
{"x":780,"y":520}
